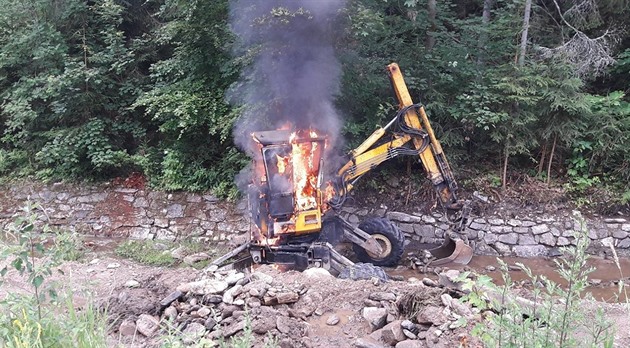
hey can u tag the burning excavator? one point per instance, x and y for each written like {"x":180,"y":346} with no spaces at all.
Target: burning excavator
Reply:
{"x":294,"y":209}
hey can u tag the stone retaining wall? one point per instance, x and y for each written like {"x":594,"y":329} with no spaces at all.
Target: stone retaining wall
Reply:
{"x":107,"y":210}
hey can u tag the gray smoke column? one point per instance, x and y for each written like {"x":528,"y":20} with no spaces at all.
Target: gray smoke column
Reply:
{"x":295,"y":75}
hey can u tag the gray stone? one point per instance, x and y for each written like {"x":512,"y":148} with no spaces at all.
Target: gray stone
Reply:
{"x":263,"y":324}
{"x":368,"y":342}
{"x":375,"y":317}
{"x":332,"y":320}
{"x":204,"y":287}
{"x":229,"y":295}
{"x":234,"y":328}
{"x":402,"y":217}
{"x":496,"y":222}
{"x":526,"y":239}
{"x":502,"y":249}
{"x":191,"y":259}
{"x":193,"y":332}
{"x":353,"y":219}
{"x":382,"y":296}
{"x":478,"y":226}
{"x":625,"y":227}
{"x":147,"y":325}
{"x":596,"y":232}
{"x":170,"y":313}
{"x":530,"y":250}
{"x":540,"y":229}
{"x":614,"y":220}
{"x":412,"y":343}
{"x":410,"y":335}
{"x":127,"y":328}
{"x":409,"y":325}
{"x":175,"y":211}
{"x":131,"y":283}
{"x":407,"y":228}
{"x":547,"y":239}
{"x":556,"y":232}
{"x":624,"y":244}
{"x":521,"y":229}
{"x":203,"y":312}
{"x":392,"y":333}
{"x":428,"y":219}
{"x":568,"y":233}
{"x":527,"y":223}
{"x":510,"y":238}
{"x":620,"y":234}
{"x":562,"y":241}
{"x":514,"y":223}
{"x":490,"y":238}
{"x":233,"y":278}
{"x":431,"y":315}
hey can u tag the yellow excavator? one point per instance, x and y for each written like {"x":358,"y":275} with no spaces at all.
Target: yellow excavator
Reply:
{"x":295,"y":211}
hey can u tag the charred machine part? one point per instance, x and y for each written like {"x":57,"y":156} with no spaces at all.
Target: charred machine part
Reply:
{"x":293,"y":206}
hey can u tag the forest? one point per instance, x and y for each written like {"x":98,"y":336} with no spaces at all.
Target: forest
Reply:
{"x":92,"y":90}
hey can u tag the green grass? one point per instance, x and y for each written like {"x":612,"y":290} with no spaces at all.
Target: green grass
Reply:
{"x":146,"y":252}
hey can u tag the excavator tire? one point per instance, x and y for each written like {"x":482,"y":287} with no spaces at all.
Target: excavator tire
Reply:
{"x":388,"y":236}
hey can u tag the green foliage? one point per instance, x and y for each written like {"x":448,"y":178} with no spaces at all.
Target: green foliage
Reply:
{"x":146,"y":252}
{"x":555,"y":317}
{"x":44,"y":318}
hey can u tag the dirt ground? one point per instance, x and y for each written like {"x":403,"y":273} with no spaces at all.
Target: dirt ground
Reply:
{"x":105,"y":280}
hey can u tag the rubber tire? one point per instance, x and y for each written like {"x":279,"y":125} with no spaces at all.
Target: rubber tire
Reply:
{"x":387,"y":229}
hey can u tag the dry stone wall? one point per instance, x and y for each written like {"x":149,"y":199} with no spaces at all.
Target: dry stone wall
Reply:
{"x":111,"y":211}
{"x":114,"y":211}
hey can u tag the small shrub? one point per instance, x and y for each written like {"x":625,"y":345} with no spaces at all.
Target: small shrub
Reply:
{"x":554,"y":318}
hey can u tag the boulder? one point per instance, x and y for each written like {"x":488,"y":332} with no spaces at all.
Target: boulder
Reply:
{"x":375,"y":317}
{"x":147,"y":325}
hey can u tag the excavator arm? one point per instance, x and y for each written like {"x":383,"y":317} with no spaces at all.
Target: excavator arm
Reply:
{"x":414,"y":136}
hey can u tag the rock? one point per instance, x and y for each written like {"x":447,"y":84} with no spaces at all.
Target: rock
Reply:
{"x":510,"y":238}
{"x":409,"y":325}
{"x":193,"y":332}
{"x":286,"y":325}
{"x":363,"y":271}
{"x":449,"y":279}
{"x":317,"y":272}
{"x":540,"y":229}
{"x":170,"y":313}
{"x":392,"y":333}
{"x":170,"y":298}
{"x":191,"y":259}
{"x":147,"y":325}
{"x":127,"y":328}
{"x":410,"y":344}
{"x":375,"y":317}
{"x":332,"y":320}
{"x":113,"y":265}
{"x":308,"y":303}
{"x":229,"y":295}
{"x":526,"y":239}
{"x":530,"y":250}
{"x":431,"y":315}
{"x":410,"y":335}
{"x":429,"y":282}
{"x":547,"y":239}
{"x":368,"y":342}
{"x":287,"y":297}
{"x":382,"y":296}
{"x":204,"y":287}
{"x":203,"y":312}
{"x":234,"y":328}
{"x":261,"y":276}
{"x":233,"y":278}
{"x":490,"y":268}
{"x":210,"y":323}
{"x":132,"y":283}
{"x":263,"y":324}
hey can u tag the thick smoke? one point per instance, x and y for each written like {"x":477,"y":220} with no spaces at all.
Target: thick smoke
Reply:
{"x":295,"y":75}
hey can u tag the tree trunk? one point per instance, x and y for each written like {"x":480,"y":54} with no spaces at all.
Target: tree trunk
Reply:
{"x":483,"y":38}
{"x":523,"y":48}
{"x":553,"y":149}
{"x":541,"y":163}
{"x":432,"y":13}
{"x":504,"y":169}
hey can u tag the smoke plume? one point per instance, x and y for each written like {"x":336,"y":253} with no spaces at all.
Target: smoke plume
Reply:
{"x":294,"y":75}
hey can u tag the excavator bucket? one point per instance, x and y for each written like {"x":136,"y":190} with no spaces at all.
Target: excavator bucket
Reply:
{"x":455,"y":251}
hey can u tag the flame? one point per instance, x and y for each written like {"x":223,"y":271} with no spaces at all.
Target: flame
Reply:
{"x":283,"y":162}
{"x":304,"y":172}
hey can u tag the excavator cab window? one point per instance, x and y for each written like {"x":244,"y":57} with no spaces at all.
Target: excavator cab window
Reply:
{"x":279,"y":172}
